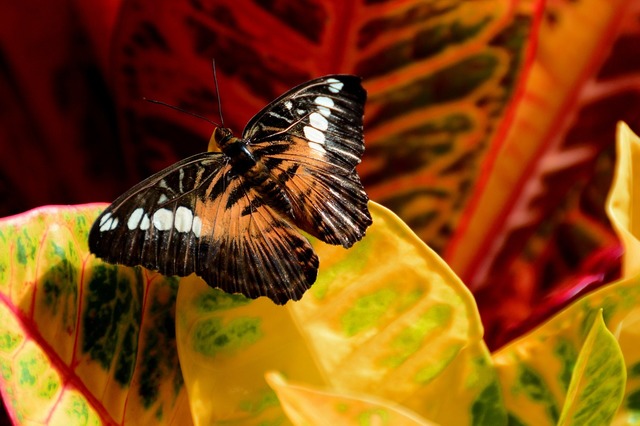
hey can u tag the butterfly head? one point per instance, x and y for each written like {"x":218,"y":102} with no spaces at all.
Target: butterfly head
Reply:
{"x":220,"y":138}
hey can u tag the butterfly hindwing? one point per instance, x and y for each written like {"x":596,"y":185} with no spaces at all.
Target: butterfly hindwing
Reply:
{"x":251,"y":250}
{"x":311,"y":140}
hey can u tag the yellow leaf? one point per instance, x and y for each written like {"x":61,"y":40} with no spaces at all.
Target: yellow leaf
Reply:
{"x":308,"y":406}
{"x":387,"y":318}
{"x":597,"y":381}
{"x":622,"y":204}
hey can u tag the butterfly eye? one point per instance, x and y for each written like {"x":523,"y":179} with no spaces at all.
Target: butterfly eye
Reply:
{"x":220,"y":138}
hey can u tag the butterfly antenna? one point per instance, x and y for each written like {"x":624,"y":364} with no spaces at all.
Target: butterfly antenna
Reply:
{"x":215,"y":81}
{"x":153,"y":101}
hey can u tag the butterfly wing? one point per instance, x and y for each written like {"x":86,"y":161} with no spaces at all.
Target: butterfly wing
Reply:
{"x":311,"y":140}
{"x":153,"y":224}
{"x":252,"y":250}
{"x":197,"y":216}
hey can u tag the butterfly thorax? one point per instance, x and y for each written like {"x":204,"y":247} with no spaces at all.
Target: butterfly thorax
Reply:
{"x":255,"y":173}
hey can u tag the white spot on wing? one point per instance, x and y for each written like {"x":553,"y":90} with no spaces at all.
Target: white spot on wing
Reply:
{"x":144,"y":225}
{"x":162,"y":198}
{"x":197,"y":226}
{"x":276,"y":115}
{"x":317,"y":147}
{"x":108,"y":222}
{"x":104,"y":218}
{"x":288,"y":105}
{"x":314,"y":135}
{"x":318,"y":121}
{"x":163,"y":220}
{"x":134,"y":219}
{"x":335,"y":85}
{"x":324,"y":101}
{"x":324,"y":105}
{"x":183,"y":220}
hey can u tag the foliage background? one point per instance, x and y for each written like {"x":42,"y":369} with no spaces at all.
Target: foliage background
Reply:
{"x":490,"y":124}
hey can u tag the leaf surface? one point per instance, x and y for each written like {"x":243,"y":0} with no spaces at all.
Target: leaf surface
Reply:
{"x":597,"y":381}
{"x":536,"y":370}
{"x":386,"y":318}
{"x":84,"y":342}
{"x":101,"y":338}
{"x":536,"y":235}
{"x":308,"y":406}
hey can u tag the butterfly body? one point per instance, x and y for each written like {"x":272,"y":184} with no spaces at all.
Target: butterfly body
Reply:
{"x":244,"y":163}
{"x":229,"y":216}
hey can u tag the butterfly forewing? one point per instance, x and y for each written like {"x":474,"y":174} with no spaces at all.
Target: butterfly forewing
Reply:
{"x":311,"y":140}
{"x":154,"y":223}
{"x":326,"y":112}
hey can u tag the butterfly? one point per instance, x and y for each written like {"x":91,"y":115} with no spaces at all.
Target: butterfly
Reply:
{"x":231,"y":215}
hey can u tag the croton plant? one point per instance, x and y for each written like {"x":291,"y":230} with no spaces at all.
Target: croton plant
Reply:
{"x":499,"y":284}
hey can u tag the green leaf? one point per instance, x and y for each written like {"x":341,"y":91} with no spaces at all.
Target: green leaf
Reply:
{"x":81,"y":341}
{"x":598,"y":380}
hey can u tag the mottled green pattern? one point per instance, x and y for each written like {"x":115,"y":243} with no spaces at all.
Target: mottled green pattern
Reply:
{"x":115,"y":342}
{"x":60,"y":283}
{"x":158,"y":358}
{"x":412,"y":338}
{"x":218,"y":300}
{"x":9,"y":341}
{"x":598,"y":380}
{"x":214,"y":335}
{"x":111,"y":319}
{"x":488,"y":409}
{"x":367,"y":311}
{"x":555,"y":348}
{"x":566,"y":353}
{"x":33,"y":372}
{"x":534,"y":386}
{"x":78,"y":412}
{"x":25,"y":248}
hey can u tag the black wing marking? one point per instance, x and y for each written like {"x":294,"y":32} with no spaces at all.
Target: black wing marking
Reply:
{"x":311,"y":140}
